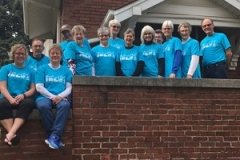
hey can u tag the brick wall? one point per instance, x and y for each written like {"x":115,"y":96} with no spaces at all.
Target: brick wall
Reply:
{"x":142,"y":118}
{"x":89,"y":13}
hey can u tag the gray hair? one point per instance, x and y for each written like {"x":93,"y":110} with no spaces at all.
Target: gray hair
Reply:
{"x":168,"y":23}
{"x":185,"y":25}
{"x":128,"y":31}
{"x":147,"y":28}
{"x":114,"y":21}
{"x":103,"y":30}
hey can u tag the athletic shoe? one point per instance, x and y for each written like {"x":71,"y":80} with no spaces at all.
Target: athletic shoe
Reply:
{"x":60,"y":144}
{"x":52,"y":142}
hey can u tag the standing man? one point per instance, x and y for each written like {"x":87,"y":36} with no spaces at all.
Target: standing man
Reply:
{"x":216,"y":51}
{"x":36,"y":58}
{"x":159,"y":36}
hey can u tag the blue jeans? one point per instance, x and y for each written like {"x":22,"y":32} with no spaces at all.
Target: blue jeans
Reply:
{"x":53,"y":125}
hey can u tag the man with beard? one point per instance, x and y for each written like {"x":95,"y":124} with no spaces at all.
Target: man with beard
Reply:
{"x":36,"y":58}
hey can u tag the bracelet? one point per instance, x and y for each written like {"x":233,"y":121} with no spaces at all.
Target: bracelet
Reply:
{"x":24,"y":95}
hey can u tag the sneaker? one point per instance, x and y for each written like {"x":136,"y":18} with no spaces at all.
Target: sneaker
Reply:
{"x":60,"y":144}
{"x":52,"y":142}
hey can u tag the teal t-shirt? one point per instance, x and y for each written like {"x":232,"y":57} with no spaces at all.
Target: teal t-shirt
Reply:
{"x":54,"y":80}
{"x":18,"y":80}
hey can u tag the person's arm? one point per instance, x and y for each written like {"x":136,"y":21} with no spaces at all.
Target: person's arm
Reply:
{"x":161,"y":67}
{"x":29,"y":93}
{"x":43,"y":91}
{"x":72,"y":65}
{"x":67,"y":91}
{"x":139,"y":69}
{"x":31,"y":90}
{"x":118,"y":69}
{"x":176,"y":62}
{"x":193,"y":65}
{"x":93,"y":69}
{"x":228,"y":53}
{"x":5,"y":93}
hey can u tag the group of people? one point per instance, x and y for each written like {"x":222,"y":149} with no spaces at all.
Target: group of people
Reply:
{"x":35,"y":80}
{"x":159,"y":55}
{"x":44,"y":82}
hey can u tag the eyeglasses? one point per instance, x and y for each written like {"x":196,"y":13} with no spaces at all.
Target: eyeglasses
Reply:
{"x":20,"y":54}
{"x":167,"y":28}
{"x":115,"y":26}
{"x":104,"y":35}
{"x":207,"y":25}
{"x":37,"y":46}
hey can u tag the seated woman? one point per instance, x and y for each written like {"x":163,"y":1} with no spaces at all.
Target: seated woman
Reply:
{"x":17,"y":86}
{"x":53,"y":82}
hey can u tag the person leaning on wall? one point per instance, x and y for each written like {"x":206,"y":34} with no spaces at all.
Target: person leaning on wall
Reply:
{"x":17,"y":88}
{"x":114,"y":28}
{"x":130,"y":62}
{"x":77,"y":53}
{"x":152,"y":54}
{"x":216,"y":51}
{"x":172,"y":49}
{"x":66,"y":31}
{"x":190,"y":61}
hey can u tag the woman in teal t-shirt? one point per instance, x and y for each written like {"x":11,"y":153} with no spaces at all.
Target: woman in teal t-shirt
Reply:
{"x":54,"y":83}
{"x":17,"y":86}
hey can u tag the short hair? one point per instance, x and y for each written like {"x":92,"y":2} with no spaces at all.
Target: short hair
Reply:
{"x":37,"y":39}
{"x":208,"y":19}
{"x":129,"y":30}
{"x":103,"y":30}
{"x":14,"y":48}
{"x":114,"y":21}
{"x":185,"y":25}
{"x":147,"y":28}
{"x":78,"y":28}
{"x":158,"y":31}
{"x":66,"y":27}
{"x":167,"y":23}
{"x":55,"y":46}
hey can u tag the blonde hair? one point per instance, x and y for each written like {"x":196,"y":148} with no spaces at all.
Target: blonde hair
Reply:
{"x":78,"y":28}
{"x":55,"y":46}
{"x":14,"y":48}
